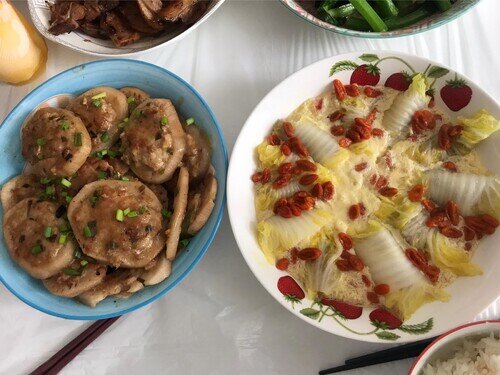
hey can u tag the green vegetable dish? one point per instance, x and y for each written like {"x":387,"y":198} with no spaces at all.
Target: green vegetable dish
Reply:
{"x":378,"y":15}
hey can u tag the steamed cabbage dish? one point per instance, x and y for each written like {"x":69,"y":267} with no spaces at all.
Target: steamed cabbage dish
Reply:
{"x":374,"y":197}
{"x":116,"y":185}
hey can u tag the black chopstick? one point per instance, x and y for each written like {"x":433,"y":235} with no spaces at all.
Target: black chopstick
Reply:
{"x":57,"y":362}
{"x":383,"y":356}
{"x":411,"y":348}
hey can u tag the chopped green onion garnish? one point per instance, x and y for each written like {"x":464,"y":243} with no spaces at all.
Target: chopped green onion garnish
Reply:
{"x":44,"y":180}
{"x":87,"y":232}
{"x":68,"y":198}
{"x":101,"y":175}
{"x":72,"y":272}
{"x":138,"y":113}
{"x":99,"y":96}
{"x":93,"y":200}
{"x":65,"y":125}
{"x":101,"y":154}
{"x":97,"y":103}
{"x":77,"y":254}
{"x":50,"y":190}
{"x":62,"y":238}
{"x":190,"y":121}
{"x":126,"y":211}
{"x":84,"y":263}
{"x":65,"y":182}
{"x":105,"y":137}
{"x":47,"y":232}
{"x":39,"y":156}
{"x":164,"y":121}
{"x":119,"y":215}
{"x":133,"y":214}
{"x":130,"y":100}
{"x":77,"y":140}
{"x":184,"y":243}
{"x":112,"y":154}
{"x":124,"y":178}
{"x":165,"y":213}
{"x":40,"y":142}
{"x":37,"y":249}
{"x":64,"y":227}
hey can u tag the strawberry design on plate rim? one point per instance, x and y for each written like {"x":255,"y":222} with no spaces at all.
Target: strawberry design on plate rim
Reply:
{"x":383,"y":321}
{"x":456,"y":94}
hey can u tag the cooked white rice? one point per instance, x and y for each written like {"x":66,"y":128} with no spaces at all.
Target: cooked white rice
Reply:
{"x":471,"y":357}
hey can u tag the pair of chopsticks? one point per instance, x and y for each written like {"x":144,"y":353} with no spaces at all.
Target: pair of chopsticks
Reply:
{"x":64,"y":356}
{"x":383,"y":356}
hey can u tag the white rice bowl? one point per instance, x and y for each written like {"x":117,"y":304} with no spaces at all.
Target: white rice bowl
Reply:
{"x":472,"y":349}
{"x":472,"y":356}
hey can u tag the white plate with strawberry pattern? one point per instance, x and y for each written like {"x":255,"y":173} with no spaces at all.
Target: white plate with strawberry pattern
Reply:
{"x":455,"y":94}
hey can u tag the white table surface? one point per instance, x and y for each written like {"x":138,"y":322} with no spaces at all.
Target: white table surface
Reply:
{"x":220,"y":320}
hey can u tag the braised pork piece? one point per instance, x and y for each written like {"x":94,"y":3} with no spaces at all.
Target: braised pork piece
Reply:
{"x":124,"y":22}
{"x":117,"y":185}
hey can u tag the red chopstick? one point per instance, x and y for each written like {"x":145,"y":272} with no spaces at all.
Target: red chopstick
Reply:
{"x":64,"y":356}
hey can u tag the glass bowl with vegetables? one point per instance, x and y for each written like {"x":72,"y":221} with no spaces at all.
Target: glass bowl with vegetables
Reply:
{"x":379,"y":18}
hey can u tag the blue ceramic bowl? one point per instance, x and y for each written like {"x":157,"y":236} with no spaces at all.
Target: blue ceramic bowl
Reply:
{"x":157,"y":82}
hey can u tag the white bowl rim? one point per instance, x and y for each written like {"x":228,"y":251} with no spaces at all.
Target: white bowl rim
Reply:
{"x":233,"y":218}
{"x":438,"y":342}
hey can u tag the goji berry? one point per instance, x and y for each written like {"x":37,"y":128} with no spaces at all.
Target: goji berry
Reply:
{"x":282,"y":264}
{"x":352,"y":90}
{"x":451,"y":209}
{"x":288,"y":129}
{"x":337,"y":115}
{"x":344,"y":142}
{"x":308,"y":179}
{"x":451,"y":232}
{"x":345,"y":241}
{"x":343,"y":265}
{"x":340,"y":91}
{"x":306,"y":165}
{"x":285,"y":212}
{"x":285,"y":149}
{"x":310,"y":253}
{"x":388,"y":191}
{"x":273,"y":140}
{"x":328,"y":190}
{"x":416,"y":193}
{"x":337,"y":130}
{"x":449,"y":165}
{"x":354,"y":212}
{"x":285,"y":168}
{"x":382,"y":289}
{"x":371,"y":92}
{"x":359,"y":167}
